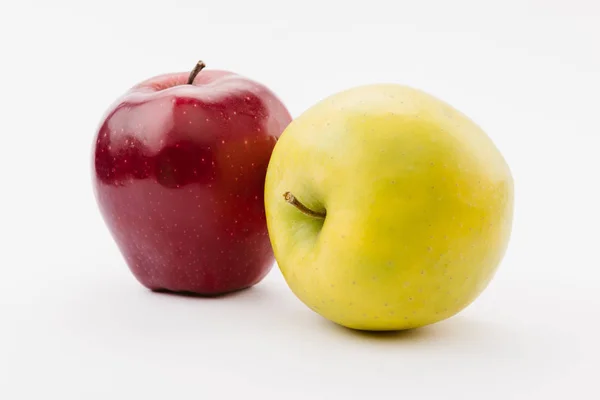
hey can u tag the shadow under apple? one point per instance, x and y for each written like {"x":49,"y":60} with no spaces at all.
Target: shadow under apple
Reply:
{"x":267,"y":321}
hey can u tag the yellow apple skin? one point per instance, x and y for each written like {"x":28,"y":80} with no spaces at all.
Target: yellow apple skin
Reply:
{"x":418,"y":203}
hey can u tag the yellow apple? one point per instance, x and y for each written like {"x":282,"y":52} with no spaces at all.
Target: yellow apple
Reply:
{"x":387,"y":208}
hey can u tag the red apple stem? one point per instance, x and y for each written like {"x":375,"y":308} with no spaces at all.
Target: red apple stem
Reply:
{"x":199,"y":67}
{"x":290,"y":198}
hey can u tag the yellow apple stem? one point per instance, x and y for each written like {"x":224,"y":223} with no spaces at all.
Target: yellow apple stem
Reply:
{"x":290,"y":198}
{"x":199,"y":67}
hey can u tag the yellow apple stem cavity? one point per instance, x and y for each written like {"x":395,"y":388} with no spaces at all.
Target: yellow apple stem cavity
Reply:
{"x":290,"y":198}
{"x":199,"y":67}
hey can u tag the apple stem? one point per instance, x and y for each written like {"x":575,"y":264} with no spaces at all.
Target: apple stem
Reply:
{"x":290,"y":198}
{"x":199,"y":67}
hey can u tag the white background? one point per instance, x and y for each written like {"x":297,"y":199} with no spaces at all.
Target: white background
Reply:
{"x":75,"y":324}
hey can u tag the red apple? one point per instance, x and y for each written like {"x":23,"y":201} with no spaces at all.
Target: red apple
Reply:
{"x":179,"y":165}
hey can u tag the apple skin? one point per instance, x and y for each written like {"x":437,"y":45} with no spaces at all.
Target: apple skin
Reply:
{"x":178,"y":175}
{"x":418,"y":204}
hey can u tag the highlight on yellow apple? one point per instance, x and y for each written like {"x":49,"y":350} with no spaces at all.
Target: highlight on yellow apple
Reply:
{"x":387,"y":208}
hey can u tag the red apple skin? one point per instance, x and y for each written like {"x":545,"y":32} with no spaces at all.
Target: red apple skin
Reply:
{"x":178,"y":175}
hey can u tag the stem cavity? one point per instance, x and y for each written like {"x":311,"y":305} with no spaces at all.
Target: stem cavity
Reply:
{"x":290,"y":198}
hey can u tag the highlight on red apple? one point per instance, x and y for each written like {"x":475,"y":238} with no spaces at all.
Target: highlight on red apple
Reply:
{"x":179,"y":164}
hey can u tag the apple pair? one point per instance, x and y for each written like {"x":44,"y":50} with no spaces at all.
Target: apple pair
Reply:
{"x":384,"y":207}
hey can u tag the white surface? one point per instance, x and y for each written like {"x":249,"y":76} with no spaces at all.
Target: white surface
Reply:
{"x":76,"y":325}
